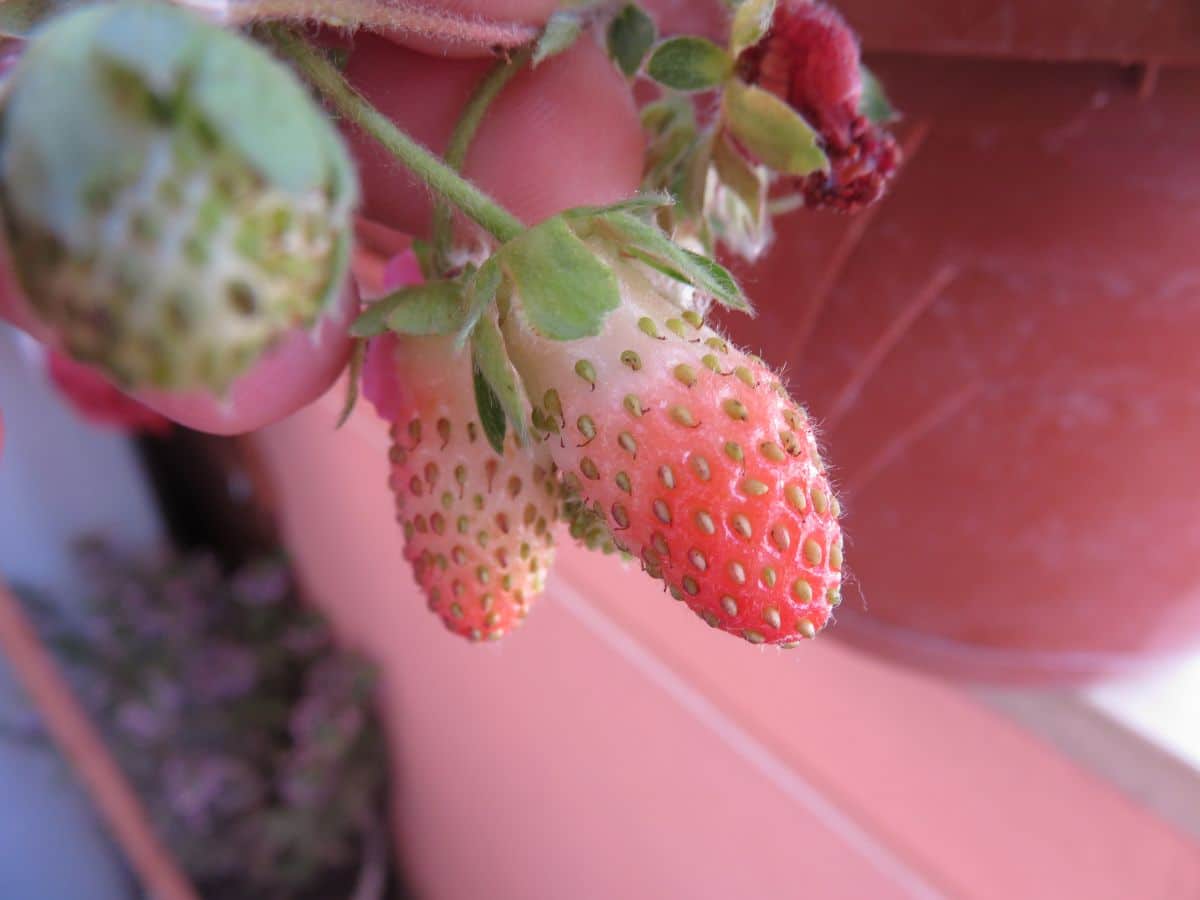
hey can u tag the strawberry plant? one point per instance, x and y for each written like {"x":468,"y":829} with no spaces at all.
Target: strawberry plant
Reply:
{"x":563,"y":371}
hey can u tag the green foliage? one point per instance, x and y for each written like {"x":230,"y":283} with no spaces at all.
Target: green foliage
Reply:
{"x":652,"y":246}
{"x":642,"y":203}
{"x":482,"y":286}
{"x":750,"y":23}
{"x":772,"y":130}
{"x":491,"y":411}
{"x":689,"y":64}
{"x":565,"y":291}
{"x":491,"y":363}
{"x":740,"y":176}
{"x":432,"y":307}
{"x":631,"y":33}
{"x":358,"y":356}
{"x":561,"y":31}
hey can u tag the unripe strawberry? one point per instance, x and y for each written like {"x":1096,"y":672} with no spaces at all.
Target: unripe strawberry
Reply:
{"x":96,"y":400}
{"x":478,"y":527}
{"x":696,"y":457}
{"x":174,"y":200}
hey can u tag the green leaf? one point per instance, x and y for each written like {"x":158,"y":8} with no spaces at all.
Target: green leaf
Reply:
{"x":491,"y":361}
{"x":720,"y":283}
{"x":358,"y":356}
{"x":772,"y":130}
{"x":561,"y":31}
{"x":373,"y":320}
{"x":750,"y":23}
{"x":692,"y":176}
{"x":655,"y":248}
{"x":426,"y":257}
{"x":481,"y":293}
{"x":644,"y":202}
{"x":434,"y":307}
{"x":874,"y":103}
{"x":739,"y":175}
{"x":669,"y":152}
{"x":669,"y":112}
{"x":491,"y":412}
{"x":689,"y":64}
{"x":630,"y":35}
{"x":565,"y":291}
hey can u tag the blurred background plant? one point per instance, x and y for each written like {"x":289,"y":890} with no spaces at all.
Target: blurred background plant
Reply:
{"x":249,"y":737}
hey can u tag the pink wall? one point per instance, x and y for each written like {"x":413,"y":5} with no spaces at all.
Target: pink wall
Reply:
{"x":614,"y":746}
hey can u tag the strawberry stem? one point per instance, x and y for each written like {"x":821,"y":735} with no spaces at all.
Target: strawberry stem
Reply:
{"x":441,"y":178}
{"x":460,"y":141}
{"x":409,"y":17}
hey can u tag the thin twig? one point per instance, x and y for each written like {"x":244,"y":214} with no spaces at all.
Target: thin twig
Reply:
{"x":82,"y":746}
{"x":442,"y":179}
{"x":460,"y":142}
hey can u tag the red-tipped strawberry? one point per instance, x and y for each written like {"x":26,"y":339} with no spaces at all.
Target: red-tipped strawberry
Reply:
{"x":477,"y":525}
{"x":701,"y":462}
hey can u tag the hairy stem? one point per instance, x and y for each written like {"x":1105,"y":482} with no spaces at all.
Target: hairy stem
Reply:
{"x":410,"y":17}
{"x":441,"y":178}
{"x":460,"y":141}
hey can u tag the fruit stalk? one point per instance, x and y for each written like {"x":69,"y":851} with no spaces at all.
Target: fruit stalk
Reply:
{"x":460,"y":141}
{"x":441,"y":178}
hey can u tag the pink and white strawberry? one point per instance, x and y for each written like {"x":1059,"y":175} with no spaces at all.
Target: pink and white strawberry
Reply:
{"x":478,"y":527}
{"x":700,"y":461}
{"x":95,"y":399}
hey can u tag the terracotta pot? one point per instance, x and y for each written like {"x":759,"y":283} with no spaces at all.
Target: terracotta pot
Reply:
{"x":1006,"y":351}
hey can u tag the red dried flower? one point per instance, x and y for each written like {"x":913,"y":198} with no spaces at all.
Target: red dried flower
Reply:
{"x":811,"y":58}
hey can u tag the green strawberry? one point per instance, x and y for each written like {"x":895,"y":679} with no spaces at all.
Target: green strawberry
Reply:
{"x":174,"y":201}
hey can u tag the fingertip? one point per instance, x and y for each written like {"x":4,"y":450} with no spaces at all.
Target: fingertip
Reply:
{"x":422,"y":95}
{"x":564,"y":134}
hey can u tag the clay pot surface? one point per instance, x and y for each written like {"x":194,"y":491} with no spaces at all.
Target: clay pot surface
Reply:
{"x":1005,"y":354}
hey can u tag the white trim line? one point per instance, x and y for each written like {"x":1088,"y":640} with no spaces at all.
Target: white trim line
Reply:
{"x":744,"y":744}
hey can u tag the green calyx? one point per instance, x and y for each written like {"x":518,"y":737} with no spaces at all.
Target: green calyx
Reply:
{"x":561,"y":278}
{"x":174,"y":200}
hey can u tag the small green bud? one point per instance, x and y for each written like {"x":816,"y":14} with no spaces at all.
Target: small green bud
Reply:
{"x":174,"y":200}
